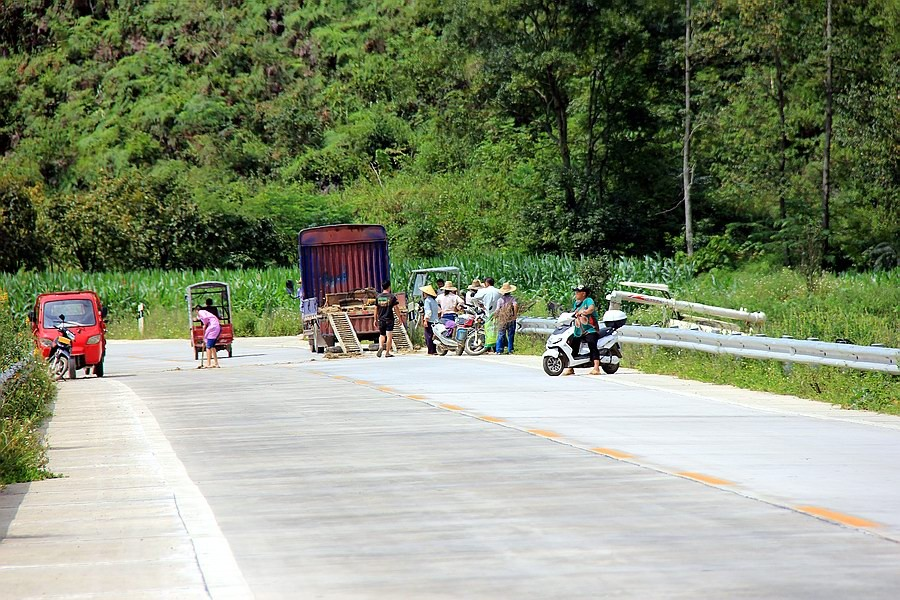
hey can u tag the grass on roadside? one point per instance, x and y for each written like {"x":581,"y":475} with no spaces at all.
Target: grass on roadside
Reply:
{"x":25,"y":401}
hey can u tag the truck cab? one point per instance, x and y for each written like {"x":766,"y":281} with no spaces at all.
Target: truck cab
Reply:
{"x":84,"y":313}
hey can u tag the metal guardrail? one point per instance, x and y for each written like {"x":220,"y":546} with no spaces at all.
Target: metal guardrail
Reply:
{"x":852,"y":356}
{"x":617,"y":297}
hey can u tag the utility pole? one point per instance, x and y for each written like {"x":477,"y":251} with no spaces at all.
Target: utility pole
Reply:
{"x":686,"y":167}
{"x":826,"y":163}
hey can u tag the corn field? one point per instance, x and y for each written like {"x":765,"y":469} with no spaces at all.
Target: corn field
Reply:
{"x":546,"y":277}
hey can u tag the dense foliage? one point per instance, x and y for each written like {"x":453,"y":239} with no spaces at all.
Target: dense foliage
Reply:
{"x":24,"y":402}
{"x":201,"y":133}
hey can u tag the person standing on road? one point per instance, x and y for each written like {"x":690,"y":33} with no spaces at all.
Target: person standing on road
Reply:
{"x":505,"y":315}
{"x":430,"y":317}
{"x":384,"y":319}
{"x":211,"y":331}
{"x":488,"y":295}
{"x":586,"y":326}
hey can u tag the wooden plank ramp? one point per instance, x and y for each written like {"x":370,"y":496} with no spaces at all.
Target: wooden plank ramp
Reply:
{"x":344,"y":332}
{"x":402,"y":342}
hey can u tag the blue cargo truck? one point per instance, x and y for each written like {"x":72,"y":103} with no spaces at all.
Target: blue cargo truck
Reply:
{"x":342,"y":268}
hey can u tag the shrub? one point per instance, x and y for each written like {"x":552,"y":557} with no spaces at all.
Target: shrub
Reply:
{"x":24,"y":403}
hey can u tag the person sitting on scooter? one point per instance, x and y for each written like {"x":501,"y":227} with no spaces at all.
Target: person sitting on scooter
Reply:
{"x":585,"y":327}
{"x":449,"y":302}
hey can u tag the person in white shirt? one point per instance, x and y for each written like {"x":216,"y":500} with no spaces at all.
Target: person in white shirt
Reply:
{"x":449,"y":302}
{"x":488,"y":295}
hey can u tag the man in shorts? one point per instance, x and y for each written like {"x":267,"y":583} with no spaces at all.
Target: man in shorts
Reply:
{"x":384,"y":319}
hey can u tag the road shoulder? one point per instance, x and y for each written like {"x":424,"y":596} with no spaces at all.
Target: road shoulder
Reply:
{"x":124,"y":520}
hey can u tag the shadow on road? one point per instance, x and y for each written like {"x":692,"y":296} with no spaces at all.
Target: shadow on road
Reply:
{"x":10,"y":498}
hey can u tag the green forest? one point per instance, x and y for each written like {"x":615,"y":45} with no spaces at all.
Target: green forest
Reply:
{"x":206,"y":133}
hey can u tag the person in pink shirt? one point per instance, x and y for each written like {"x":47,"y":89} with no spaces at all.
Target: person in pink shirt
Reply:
{"x":211,"y":330}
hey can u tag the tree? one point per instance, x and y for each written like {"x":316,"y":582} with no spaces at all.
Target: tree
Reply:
{"x":20,"y":245}
{"x":826,"y":153}
{"x":686,"y":150}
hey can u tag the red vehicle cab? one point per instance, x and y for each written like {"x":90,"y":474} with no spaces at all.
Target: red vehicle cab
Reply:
{"x":84,"y":313}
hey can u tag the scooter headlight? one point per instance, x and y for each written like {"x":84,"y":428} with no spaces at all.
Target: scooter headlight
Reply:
{"x":554,"y":339}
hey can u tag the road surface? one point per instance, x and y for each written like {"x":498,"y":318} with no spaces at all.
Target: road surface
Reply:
{"x":285,"y":475}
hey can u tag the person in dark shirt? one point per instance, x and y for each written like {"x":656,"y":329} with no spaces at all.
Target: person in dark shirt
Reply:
{"x":210,"y":308}
{"x":384,"y":319}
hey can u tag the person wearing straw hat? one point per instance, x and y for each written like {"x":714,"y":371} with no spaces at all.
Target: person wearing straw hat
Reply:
{"x":471,"y":290}
{"x":449,"y":302}
{"x":430,"y":317}
{"x":505,"y":314}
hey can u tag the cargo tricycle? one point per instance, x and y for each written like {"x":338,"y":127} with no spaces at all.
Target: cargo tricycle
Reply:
{"x":215,"y":297}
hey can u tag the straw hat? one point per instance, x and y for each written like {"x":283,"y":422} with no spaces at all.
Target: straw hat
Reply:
{"x":476,"y":285}
{"x":448,"y":285}
{"x":507,"y":288}
{"x":428,"y":290}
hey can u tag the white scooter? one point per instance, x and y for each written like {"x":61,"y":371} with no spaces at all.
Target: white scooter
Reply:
{"x":560,"y":354}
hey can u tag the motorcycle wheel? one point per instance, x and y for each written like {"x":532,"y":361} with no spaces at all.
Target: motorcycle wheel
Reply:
{"x":73,"y":372}
{"x":459,"y":349}
{"x":59,"y":366}
{"x":554,"y":365}
{"x":610,"y":369}
{"x":442,"y":350}
{"x":475,"y":343}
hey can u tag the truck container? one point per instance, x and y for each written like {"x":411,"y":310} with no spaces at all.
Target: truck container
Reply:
{"x":342,"y":268}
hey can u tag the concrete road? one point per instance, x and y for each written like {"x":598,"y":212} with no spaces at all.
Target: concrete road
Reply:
{"x":284,"y":475}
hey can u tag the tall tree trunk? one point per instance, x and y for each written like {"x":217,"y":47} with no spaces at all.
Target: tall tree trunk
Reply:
{"x":779,"y":85}
{"x":561,"y":112}
{"x":826,"y":163}
{"x":686,"y":167}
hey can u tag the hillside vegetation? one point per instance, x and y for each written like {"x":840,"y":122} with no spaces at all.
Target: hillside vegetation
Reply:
{"x":201,"y":133}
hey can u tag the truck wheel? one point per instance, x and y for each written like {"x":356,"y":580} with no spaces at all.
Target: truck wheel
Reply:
{"x":98,"y":369}
{"x":196,"y":352}
{"x":228,"y":348}
{"x":73,"y":372}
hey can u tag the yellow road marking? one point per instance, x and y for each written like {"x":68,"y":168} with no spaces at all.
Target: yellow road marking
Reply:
{"x":416,"y":397}
{"x":705,"y":478}
{"x":451,"y":407}
{"x":492,"y":419}
{"x":832,"y":515}
{"x":385,"y":388}
{"x":360,"y":382}
{"x":544,"y":433}
{"x":611,"y":452}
